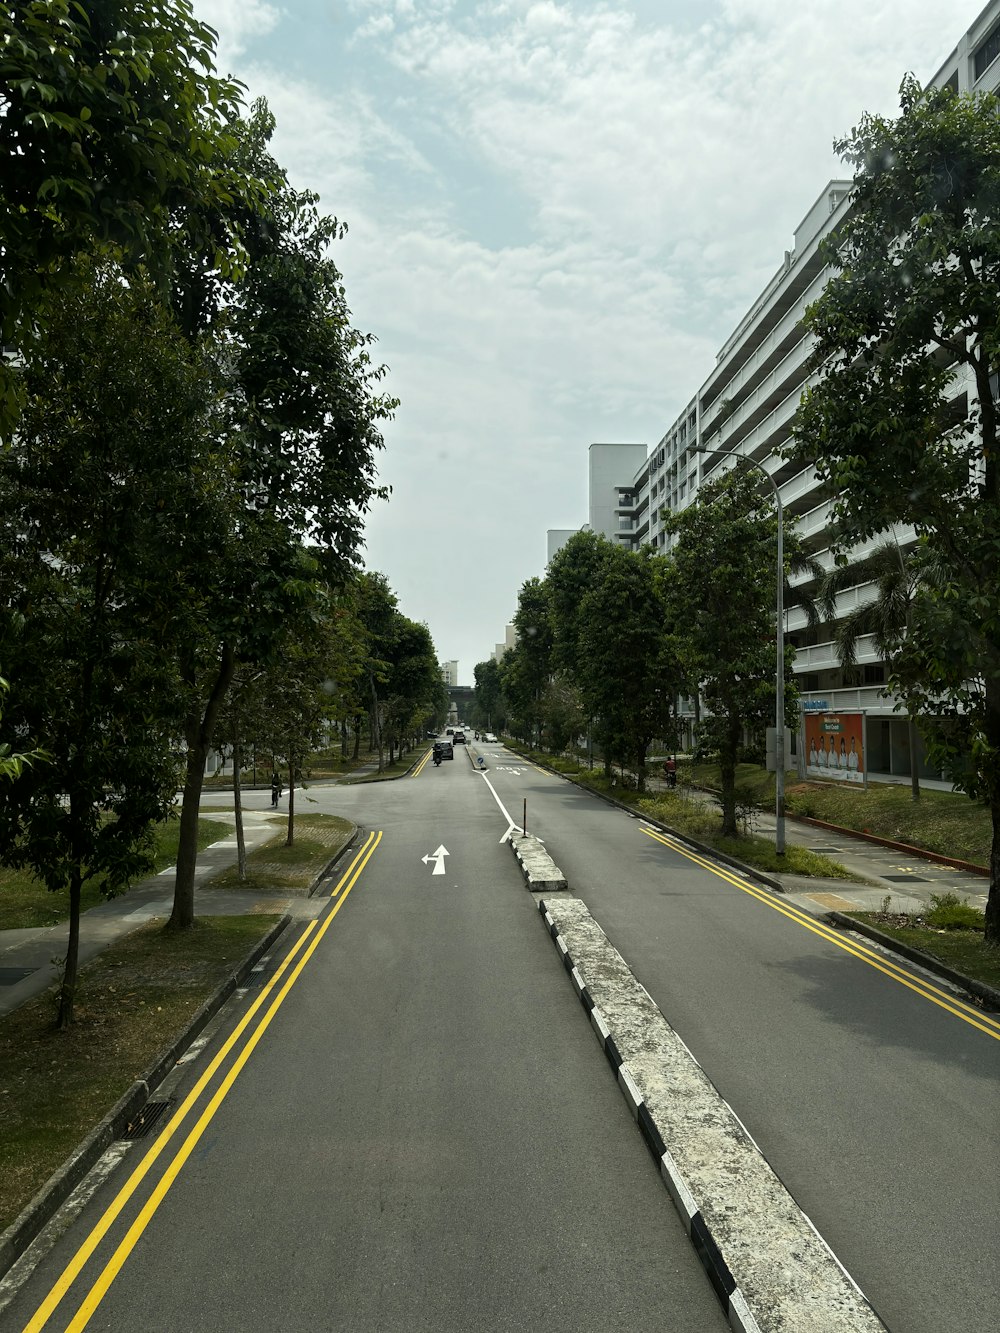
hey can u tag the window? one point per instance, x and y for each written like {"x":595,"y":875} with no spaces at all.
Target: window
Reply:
{"x":874,"y":673}
{"x":987,"y":52}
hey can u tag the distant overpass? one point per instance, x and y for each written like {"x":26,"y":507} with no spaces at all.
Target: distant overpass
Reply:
{"x":460,"y":700}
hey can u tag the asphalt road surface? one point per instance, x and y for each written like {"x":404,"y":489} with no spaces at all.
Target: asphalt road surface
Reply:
{"x":873,"y":1095}
{"x":407,"y":1125}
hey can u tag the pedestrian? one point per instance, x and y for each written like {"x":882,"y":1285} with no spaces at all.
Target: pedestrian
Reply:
{"x":275,"y":789}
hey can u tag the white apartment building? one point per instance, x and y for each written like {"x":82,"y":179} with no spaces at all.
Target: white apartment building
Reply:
{"x":746,"y":406}
{"x":449,"y":672}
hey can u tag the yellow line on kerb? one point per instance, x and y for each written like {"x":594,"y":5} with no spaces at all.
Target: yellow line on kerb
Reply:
{"x":422,"y":765}
{"x":876,"y":960}
{"x":114,"y":1264}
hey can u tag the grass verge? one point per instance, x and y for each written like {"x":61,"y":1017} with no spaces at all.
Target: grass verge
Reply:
{"x":132,"y":1001}
{"x":275,"y":868}
{"x":25,"y":902}
{"x":701,"y":823}
{"x":960,"y":949}
{"x":394,"y":770}
{"x":944,"y":822}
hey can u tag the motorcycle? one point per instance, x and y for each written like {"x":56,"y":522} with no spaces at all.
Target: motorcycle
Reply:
{"x":437,"y":759}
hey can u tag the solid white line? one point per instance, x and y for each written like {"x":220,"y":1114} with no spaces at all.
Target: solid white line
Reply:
{"x":510,"y":822}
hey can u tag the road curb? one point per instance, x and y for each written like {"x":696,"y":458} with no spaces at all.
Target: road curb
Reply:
{"x":772,"y":1271}
{"x":970,"y":867}
{"x":54,"y":1193}
{"x":540,"y":872}
{"x":327,"y":871}
{"x":989,"y":995}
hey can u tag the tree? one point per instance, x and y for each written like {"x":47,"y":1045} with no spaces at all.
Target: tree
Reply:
{"x":627,"y":659}
{"x":114,"y":115}
{"x":489,"y":695}
{"x":527,"y":673}
{"x":721,"y":588}
{"x":902,"y":422}
{"x":573,"y":571}
{"x":898,"y":579}
{"x":301,"y":431}
{"x":96,"y":491}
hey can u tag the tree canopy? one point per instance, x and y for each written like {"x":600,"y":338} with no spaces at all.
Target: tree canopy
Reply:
{"x":902,"y":421}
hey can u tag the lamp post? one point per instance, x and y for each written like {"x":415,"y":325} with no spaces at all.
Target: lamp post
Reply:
{"x":779,"y":675}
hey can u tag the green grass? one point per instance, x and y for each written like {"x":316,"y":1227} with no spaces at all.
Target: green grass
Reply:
{"x":25,"y":902}
{"x":700,"y":822}
{"x":393,"y":770}
{"x":275,"y":868}
{"x":132,"y":1002}
{"x":958,"y":948}
{"x":944,"y":822}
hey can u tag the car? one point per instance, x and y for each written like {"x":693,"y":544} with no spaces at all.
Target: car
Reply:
{"x":489,"y":736}
{"x":445,"y":749}
{"x":459,"y":738}
{"x":449,"y":731}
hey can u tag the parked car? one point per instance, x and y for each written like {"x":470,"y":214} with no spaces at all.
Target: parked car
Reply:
{"x":459,"y":738}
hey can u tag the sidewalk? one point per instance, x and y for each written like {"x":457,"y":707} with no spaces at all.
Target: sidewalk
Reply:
{"x":31,"y":960}
{"x":910,"y":880}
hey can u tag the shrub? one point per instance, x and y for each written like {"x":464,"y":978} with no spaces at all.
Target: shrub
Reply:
{"x":950,"y":912}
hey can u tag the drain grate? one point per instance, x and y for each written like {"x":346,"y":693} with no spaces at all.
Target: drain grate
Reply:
{"x":143,"y":1124}
{"x":10,"y":976}
{"x":906,"y":879}
{"x":825,"y":850}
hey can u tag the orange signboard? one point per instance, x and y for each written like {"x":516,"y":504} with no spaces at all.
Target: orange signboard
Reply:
{"x":834,"y":746}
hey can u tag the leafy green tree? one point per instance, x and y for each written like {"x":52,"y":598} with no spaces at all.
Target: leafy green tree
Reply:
{"x":627,"y":660}
{"x":489,"y":695}
{"x":527,"y":674}
{"x":573,"y":571}
{"x":721,"y":589}
{"x":115,"y":118}
{"x":302,"y":431}
{"x":902,"y":423}
{"x":96,"y":490}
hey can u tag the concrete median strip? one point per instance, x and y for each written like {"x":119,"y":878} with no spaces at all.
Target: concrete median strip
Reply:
{"x":540,"y":872}
{"x":771,"y":1269}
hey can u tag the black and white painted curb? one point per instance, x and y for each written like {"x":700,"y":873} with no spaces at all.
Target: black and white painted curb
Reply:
{"x":770,"y":1267}
{"x":541,"y":874}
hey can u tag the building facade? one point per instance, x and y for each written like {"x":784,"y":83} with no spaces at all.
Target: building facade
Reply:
{"x":746,"y":406}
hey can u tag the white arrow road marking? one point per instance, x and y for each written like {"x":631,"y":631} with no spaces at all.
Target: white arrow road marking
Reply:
{"x":438,"y":859}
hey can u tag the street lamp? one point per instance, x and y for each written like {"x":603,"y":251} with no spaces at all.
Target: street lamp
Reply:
{"x":779,"y":689}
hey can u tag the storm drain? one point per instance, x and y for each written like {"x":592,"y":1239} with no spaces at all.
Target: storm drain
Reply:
{"x":142,"y":1126}
{"x":825,"y":851}
{"x":906,"y":879}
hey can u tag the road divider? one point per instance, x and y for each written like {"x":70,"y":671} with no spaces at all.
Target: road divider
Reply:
{"x":541,"y":874}
{"x":770,"y":1267}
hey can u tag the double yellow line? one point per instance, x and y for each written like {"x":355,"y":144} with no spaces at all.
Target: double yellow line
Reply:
{"x":422,"y":765}
{"x":95,"y":1295}
{"x":943,"y":999}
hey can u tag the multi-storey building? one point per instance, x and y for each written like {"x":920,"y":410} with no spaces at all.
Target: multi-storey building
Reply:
{"x":745,"y":407}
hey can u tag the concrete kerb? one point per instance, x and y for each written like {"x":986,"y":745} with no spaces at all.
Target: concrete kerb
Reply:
{"x":989,"y":995}
{"x":327,"y":871}
{"x":769,"y":1266}
{"x":541,"y":874}
{"x":50,"y":1198}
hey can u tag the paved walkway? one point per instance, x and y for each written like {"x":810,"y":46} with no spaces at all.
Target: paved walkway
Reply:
{"x":908,"y":880}
{"x":31,"y":960}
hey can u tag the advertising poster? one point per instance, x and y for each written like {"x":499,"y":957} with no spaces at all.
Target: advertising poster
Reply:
{"x":834,"y":746}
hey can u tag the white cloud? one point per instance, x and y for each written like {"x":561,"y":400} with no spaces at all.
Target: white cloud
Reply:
{"x":558,"y":211}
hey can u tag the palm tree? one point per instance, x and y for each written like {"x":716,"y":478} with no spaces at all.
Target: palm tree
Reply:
{"x":898,"y":579}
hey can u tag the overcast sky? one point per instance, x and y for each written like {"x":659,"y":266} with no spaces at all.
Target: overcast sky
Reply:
{"x":558,"y":211}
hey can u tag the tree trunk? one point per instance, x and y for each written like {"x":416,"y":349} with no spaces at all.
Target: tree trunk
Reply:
{"x":290,"y":838}
{"x":357,"y":739}
{"x":911,"y":731}
{"x":343,"y":738}
{"x":727,"y":765}
{"x":241,"y":846}
{"x":640,"y":767}
{"x":198,"y":731}
{"x":993,"y":900}
{"x":67,"y":990}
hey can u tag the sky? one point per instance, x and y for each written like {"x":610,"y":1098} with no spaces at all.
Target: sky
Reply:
{"x":558,"y":211}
